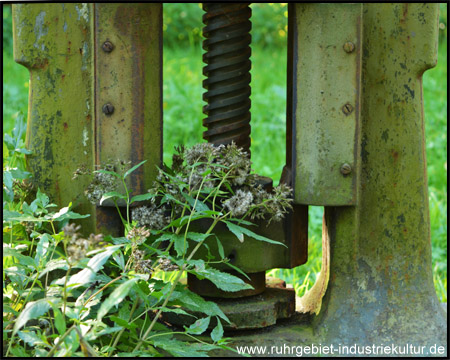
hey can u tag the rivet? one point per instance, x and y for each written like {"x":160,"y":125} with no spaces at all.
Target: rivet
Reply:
{"x":108,"y":109}
{"x":347,"y":109}
{"x":349,"y":47}
{"x":346,"y":169}
{"x":107,"y":46}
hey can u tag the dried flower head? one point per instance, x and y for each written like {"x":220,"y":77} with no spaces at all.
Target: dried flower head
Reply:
{"x":101,"y":184}
{"x":199,"y":153}
{"x":141,"y":265}
{"x":239,"y":203}
{"x":77,"y":247}
{"x":150,"y":216}
{"x":166,"y":265}
{"x":138,"y":235}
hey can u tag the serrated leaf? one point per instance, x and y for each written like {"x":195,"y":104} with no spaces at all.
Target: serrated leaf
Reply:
{"x":133,"y":168}
{"x":30,"y":338}
{"x":222,"y":280}
{"x":239,"y":230}
{"x":32,"y":310}
{"x":197,"y":236}
{"x":199,"y":205}
{"x":181,"y":348}
{"x":7,"y":179}
{"x":95,"y":264}
{"x":176,"y":310}
{"x":196,"y":303}
{"x":142,"y":197}
{"x":236,"y":231}
{"x":179,"y":244}
{"x":116,"y":297}
{"x":217,"y":332}
{"x":199,"y":326}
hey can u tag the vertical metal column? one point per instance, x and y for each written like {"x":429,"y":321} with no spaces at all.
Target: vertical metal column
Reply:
{"x":380,"y":287}
{"x":95,"y":96}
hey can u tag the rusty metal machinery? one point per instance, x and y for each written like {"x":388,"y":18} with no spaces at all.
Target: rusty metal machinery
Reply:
{"x":354,"y":144}
{"x":84,"y":111}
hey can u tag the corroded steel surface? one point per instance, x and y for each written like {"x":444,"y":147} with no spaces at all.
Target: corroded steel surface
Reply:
{"x":227,"y":45}
{"x":129,"y":77}
{"x":326,"y":80}
{"x":73,"y":75}
{"x":54,"y":42}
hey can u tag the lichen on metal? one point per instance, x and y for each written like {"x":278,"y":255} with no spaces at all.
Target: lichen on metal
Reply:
{"x":70,"y":79}
{"x":327,"y":106}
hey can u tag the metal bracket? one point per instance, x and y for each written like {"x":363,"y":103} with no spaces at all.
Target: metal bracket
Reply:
{"x":326,"y":102}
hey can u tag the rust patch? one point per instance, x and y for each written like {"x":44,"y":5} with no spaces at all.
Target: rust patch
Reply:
{"x":65,"y":126}
{"x":62,"y":77}
{"x":395,"y":155}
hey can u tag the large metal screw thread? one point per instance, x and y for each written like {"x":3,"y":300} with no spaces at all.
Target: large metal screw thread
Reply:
{"x":227,"y":44}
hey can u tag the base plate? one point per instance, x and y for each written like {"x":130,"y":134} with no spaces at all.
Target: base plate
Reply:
{"x":252,"y":312}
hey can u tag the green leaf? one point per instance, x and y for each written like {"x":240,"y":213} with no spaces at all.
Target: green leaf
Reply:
{"x":112,"y":194}
{"x":199,"y":205}
{"x":7,"y":179}
{"x":239,"y":230}
{"x":196,"y":303}
{"x":133,"y":168}
{"x":42,"y":247}
{"x":65,"y":214}
{"x":236,"y":231}
{"x":197,"y":236}
{"x":30,"y":338}
{"x":180,"y":245}
{"x":222,"y":280}
{"x":33,"y":310}
{"x":220,"y":248}
{"x":142,"y":197}
{"x":217,"y":332}
{"x":236,"y":269}
{"x":53,"y":265}
{"x":20,"y":174}
{"x":23,"y":259}
{"x":199,"y":327}
{"x":124,"y":323}
{"x":60,"y":322}
{"x":176,"y":310}
{"x":181,"y":348}
{"x":95,"y":264}
{"x":116,"y":297}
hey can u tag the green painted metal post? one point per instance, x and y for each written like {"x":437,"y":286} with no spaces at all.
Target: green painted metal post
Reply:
{"x":73,"y":75}
{"x":380,"y":290}
{"x":381,"y":286}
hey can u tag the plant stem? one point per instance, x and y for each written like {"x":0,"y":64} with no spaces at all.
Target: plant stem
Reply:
{"x":116,"y":340}
{"x":128,"y":200}
{"x":120,"y":214}
{"x":174,"y":284}
{"x":65,"y":288}
{"x":53,"y":349}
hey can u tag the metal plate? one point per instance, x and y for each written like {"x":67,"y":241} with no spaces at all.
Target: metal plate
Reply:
{"x":326,"y":77}
{"x":129,"y":77}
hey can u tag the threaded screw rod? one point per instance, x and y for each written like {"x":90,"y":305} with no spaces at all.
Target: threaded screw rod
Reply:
{"x":227,"y":45}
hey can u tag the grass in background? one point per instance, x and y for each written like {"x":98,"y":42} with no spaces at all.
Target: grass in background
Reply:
{"x":183,"y":116}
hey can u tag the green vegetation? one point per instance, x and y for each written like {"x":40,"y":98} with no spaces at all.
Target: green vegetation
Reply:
{"x":182,"y":125}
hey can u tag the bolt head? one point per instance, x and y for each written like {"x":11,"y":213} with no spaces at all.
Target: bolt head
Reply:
{"x":346,"y":169}
{"x":107,"y":46}
{"x":108,"y":109}
{"x":347,"y":109}
{"x":349,"y":47}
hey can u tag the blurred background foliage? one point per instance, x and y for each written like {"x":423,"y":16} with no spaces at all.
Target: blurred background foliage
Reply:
{"x":182,"y":89}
